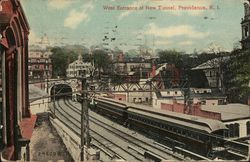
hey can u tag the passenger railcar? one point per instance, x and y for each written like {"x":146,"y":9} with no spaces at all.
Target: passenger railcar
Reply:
{"x":112,"y":109}
{"x":194,"y":132}
{"x":190,"y":132}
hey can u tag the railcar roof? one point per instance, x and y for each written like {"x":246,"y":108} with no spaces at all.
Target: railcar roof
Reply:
{"x":229,"y":112}
{"x":196,"y":122}
{"x":208,"y":125}
{"x":183,"y":123}
{"x":113,"y":102}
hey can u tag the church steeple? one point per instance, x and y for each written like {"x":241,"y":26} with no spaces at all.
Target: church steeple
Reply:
{"x":245,"y":25}
{"x":80,"y":57}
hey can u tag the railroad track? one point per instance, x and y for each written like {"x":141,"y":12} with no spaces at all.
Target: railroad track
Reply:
{"x":136,"y":149}
{"x":138,"y":144}
{"x":99,"y":140}
{"x":160,"y":151}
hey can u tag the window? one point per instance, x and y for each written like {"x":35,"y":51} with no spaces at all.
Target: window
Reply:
{"x":246,"y":31}
{"x":203,"y":102}
{"x":220,"y":102}
{"x":176,"y":92}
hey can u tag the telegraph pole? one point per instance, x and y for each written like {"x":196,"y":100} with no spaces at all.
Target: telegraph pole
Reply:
{"x":84,"y":121}
{"x":54,"y":99}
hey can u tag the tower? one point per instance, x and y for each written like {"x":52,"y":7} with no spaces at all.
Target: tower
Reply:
{"x":245,"y":25}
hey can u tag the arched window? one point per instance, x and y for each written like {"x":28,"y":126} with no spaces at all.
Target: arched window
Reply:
{"x":246,"y":31}
{"x":236,"y":130}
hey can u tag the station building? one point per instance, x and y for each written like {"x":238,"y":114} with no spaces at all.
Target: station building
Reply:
{"x":236,"y":117}
{"x":16,"y":121}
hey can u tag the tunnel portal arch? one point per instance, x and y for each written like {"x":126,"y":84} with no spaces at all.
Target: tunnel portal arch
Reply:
{"x":59,"y":91}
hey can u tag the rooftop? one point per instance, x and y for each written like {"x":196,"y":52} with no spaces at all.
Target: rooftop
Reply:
{"x":206,"y":93}
{"x":211,"y":64}
{"x":229,"y":112}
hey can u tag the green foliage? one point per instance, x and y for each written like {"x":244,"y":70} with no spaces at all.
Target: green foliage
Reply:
{"x":237,"y":76}
{"x":60,"y":58}
{"x":171,"y":57}
{"x":102,"y":61}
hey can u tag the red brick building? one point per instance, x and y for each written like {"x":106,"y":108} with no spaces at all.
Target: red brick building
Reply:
{"x":40,"y":66}
{"x":16,"y":122}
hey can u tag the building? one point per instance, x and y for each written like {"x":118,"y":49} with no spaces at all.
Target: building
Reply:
{"x":79,"y":68}
{"x":207,"y":96}
{"x":133,"y":66}
{"x":167,"y":97}
{"x":136,"y":92}
{"x":16,"y":122}
{"x":39,"y":64}
{"x":207,"y":103}
{"x":245,"y":25}
{"x":212,"y":71}
{"x":235,"y":116}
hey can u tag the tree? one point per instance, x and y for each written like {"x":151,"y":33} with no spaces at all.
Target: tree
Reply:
{"x":238,"y":76}
{"x":102,"y":61}
{"x":171,"y":57}
{"x":60,"y":59}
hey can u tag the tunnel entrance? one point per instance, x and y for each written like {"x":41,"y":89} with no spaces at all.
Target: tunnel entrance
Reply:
{"x":61,"y":91}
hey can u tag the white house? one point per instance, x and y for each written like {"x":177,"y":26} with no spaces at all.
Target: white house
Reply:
{"x":79,"y":68}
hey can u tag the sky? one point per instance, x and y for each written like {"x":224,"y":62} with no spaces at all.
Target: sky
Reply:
{"x":184,"y":25}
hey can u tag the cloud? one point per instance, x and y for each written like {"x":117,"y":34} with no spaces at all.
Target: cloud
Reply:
{"x":137,"y":3}
{"x":174,"y":31}
{"x":59,"y":4}
{"x":186,"y":43}
{"x":76,"y":17}
{"x":163,"y":42}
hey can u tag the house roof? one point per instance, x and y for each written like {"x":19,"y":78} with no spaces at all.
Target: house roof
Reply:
{"x":211,"y":64}
{"x":229,"y":112}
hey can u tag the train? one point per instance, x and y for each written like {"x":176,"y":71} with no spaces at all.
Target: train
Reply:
{"x":196,"y":134}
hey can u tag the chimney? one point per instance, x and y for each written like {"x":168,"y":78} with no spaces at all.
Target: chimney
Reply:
{"x":153,"y":73}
